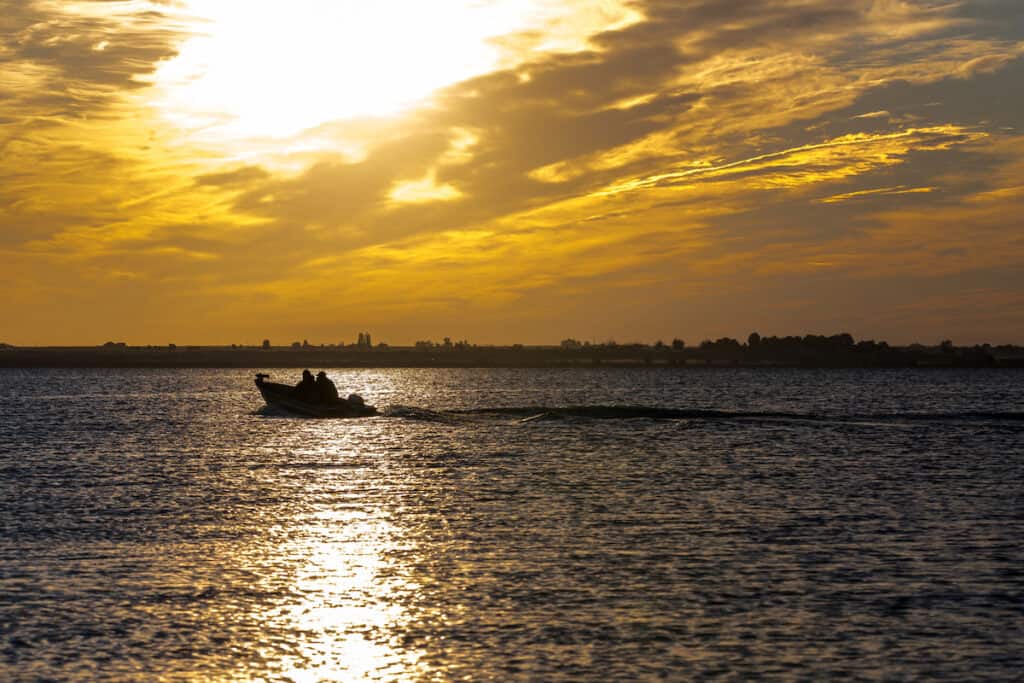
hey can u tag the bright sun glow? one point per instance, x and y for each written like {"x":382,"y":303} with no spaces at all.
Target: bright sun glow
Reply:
{"x":276,"y":69}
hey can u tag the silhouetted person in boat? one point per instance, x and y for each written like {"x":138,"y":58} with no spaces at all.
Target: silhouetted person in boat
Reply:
{"x":306,"y":389}
{"x":326,"y":391}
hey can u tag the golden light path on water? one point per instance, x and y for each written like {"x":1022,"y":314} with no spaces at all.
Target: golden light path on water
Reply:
{"x":256,"y":70}
{"x":344,"y":602}
{"x":342,"y":563}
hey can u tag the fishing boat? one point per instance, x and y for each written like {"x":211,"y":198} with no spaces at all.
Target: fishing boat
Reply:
{"x":285,"y":397}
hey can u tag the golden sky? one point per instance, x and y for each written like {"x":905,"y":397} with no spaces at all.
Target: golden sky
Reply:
{"x":213,"y":171}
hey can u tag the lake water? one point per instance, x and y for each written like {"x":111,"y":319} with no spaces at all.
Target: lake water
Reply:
{"x":786,"y":524}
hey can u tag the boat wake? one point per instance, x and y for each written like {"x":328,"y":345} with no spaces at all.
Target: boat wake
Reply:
{"x":421,"y":414}
{"x":529,"y":414}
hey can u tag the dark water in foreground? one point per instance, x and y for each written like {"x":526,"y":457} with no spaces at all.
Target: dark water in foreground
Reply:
{"x":776,"y":524}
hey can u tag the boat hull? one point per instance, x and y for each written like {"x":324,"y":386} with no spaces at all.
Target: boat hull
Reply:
{"x":282,"y":396}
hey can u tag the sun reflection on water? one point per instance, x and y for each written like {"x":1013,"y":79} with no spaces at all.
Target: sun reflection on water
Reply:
{"x":343,"y":610}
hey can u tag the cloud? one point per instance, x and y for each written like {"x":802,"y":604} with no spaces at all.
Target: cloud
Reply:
{"x":80,"y":56}
{"x":239,"y":177}
{"x":883,"y":114}
{"x":877,"y":192}
{"x":708,"y":148}
{"x":986,"y":64}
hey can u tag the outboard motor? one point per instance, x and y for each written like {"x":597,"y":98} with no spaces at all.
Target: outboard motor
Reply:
{"x":356,"y":400}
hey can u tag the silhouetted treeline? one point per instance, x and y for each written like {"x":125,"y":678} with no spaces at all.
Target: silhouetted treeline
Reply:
{"x":839,"y":350}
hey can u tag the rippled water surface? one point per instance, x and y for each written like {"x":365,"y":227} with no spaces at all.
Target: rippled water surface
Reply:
{"x":160,"y":524}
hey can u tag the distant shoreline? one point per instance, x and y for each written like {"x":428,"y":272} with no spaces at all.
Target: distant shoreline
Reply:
{"x":631,"y":356}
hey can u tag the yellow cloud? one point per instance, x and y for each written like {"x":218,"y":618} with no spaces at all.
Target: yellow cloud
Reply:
{"x":880,"y":191}
{"x":425,"y":189}
{"x":834,"y":159}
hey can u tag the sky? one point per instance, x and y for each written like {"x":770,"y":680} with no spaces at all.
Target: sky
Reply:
{"x":216,"y":172}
